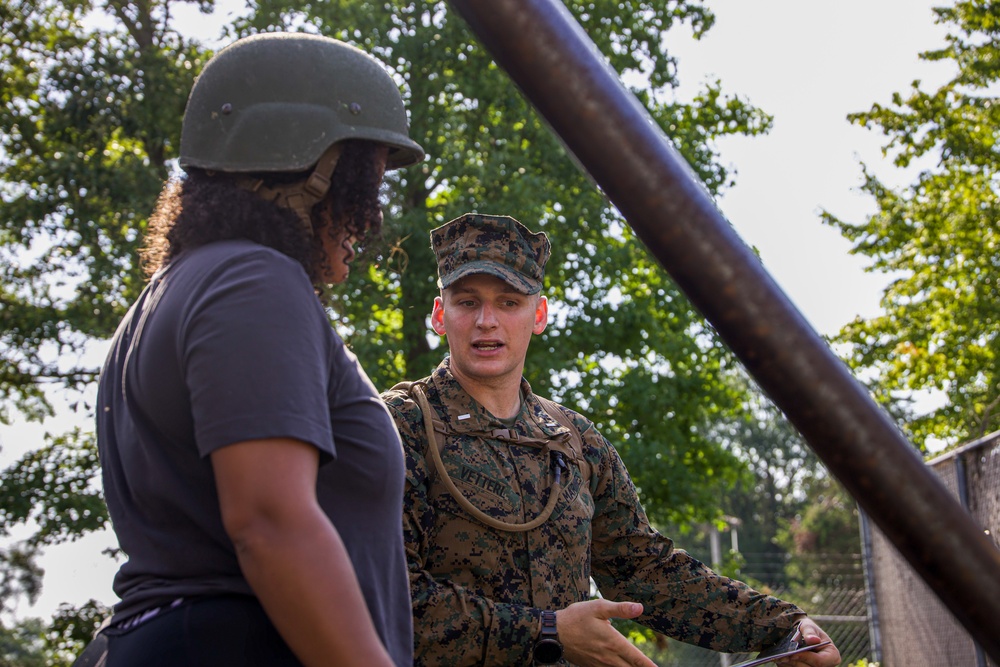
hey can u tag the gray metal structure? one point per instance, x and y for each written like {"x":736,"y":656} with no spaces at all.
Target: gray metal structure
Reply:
{"x":913,"y":627}
{"x":559,"y":69}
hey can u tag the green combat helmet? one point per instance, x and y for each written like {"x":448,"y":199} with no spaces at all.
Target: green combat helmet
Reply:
{"x":281,"y":103}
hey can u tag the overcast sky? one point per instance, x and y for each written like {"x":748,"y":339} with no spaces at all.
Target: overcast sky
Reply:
{"x":808,"y":64}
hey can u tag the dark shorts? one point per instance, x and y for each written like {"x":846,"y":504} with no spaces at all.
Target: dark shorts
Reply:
{"x":205,"y":632}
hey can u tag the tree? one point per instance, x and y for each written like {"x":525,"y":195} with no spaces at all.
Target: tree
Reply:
{"x":939,"y":238}
{"x":780,"y":469}
{"x":822,"y":536}
{"x":71,"y":630}
{"x":773,"y":491}
{"x":20,"y":576}
{"x":88,"y":135}
{"x":626,"y":347}
{"x":90,"y":117}
{"x":55,"y":489}
{"x":21,"y":645}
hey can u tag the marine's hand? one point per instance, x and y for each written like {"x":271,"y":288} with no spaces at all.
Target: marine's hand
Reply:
{"x":828,"y":656}
{"x":589,"y":639}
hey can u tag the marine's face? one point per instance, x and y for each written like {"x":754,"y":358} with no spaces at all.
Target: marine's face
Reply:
{"x":489,"y":326}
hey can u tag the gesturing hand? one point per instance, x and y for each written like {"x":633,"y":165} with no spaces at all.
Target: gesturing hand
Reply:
{"x":589,"y":639}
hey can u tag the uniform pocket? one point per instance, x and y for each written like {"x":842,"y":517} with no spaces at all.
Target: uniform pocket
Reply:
{"x":571,"y":522}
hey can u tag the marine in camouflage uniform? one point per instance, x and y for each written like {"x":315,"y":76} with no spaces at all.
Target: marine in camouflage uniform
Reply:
{"x":478,"y":591}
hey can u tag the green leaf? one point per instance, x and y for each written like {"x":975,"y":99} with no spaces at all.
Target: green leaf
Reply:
{"x":939,"y":239}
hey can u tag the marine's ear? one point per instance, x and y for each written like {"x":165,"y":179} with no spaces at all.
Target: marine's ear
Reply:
{"x":541,"y":315}
{"x":437,"y":316}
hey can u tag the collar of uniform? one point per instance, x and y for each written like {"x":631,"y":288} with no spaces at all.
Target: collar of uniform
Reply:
{"x":457,"y":403}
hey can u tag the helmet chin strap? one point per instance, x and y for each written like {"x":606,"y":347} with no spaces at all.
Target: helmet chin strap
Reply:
{"x":299,"y":196}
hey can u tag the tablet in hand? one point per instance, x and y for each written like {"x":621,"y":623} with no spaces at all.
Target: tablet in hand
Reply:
{"x":786,"y":647}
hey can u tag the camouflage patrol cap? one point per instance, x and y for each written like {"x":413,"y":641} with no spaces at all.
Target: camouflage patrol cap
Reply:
{"x":497,"y":245}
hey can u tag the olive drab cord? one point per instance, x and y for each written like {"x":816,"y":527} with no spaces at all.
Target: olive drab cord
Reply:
{"x":555,"y":490}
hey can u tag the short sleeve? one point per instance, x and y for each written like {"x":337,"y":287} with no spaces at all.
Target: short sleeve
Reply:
{"x":255,"y":346}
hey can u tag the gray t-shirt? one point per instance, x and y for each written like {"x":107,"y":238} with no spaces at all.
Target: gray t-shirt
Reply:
{"x":228,"y":344}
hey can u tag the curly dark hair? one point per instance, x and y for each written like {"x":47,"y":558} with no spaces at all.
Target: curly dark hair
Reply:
{"x":201,"y":207}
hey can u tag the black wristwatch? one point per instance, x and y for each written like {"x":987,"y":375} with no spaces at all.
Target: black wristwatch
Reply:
{"x":548,"y":650}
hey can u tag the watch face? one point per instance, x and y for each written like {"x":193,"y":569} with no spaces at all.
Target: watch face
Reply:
{"x":548,"y":651}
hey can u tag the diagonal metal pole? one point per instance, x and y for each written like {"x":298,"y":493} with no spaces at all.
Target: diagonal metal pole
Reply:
{"x":547,"y":54}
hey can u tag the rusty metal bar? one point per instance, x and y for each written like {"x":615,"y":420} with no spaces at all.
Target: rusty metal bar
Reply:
{"x":559,"y":69}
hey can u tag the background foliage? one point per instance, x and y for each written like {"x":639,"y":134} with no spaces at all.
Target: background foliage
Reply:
{"x":939,"y":238}
{"x":92,"y":100}
{"x":89,"y":132}
{"x":627,"y":347}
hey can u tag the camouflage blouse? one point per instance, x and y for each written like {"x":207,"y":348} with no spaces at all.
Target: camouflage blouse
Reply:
{"x":478,"y":591}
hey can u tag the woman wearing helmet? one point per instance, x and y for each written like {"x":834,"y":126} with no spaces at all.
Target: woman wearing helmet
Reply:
{"x":252,"y":474}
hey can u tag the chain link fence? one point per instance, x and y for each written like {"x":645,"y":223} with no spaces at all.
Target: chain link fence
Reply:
{"x":871,"y":603}
{"x":836,"y":600}
{"x":911,"y":627}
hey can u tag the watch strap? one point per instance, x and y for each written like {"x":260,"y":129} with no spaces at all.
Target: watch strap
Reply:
{"x":547,"y":649}
{"x":548,"y":625}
